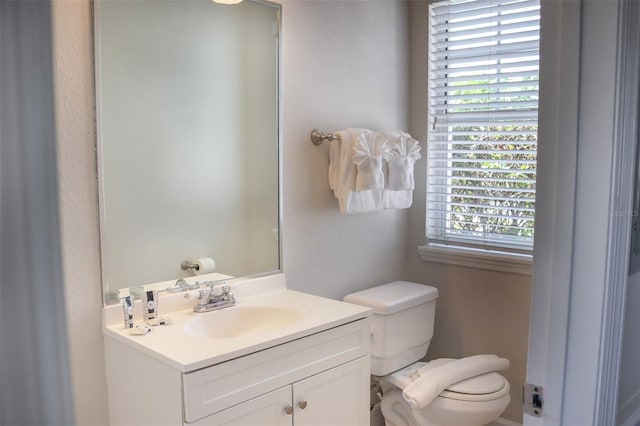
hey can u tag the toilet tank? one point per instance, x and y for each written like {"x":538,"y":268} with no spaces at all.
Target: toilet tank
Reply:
{"x":401,"y":325}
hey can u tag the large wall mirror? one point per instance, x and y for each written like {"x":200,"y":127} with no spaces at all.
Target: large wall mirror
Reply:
{"x":187,"y":111}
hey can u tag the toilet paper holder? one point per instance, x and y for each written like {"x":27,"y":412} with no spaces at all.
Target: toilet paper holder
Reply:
{"x":185,"y":265}
{"x":203,"y":265}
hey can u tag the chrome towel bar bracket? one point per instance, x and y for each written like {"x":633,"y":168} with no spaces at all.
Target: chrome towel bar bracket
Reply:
{"x":318,"y":136}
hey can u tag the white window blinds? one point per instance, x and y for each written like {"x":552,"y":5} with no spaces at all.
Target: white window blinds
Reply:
{"x":483,"y":115}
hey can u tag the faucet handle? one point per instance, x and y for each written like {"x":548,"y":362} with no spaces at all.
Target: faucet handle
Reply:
{"x":219,"y":291}
{"x":202,"y":295}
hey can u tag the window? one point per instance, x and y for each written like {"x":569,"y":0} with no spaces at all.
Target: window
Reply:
{"x":483,"y":118}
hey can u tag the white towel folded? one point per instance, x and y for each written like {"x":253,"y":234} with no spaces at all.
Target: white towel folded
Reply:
{"x":432,"y":381}
{"x":396,"y":199}
{"x":401,"y":156}
{"x":368,"y":150}
{"x":344,"y":185}
{"x":334,"y":163}
{"x":358,"y":174}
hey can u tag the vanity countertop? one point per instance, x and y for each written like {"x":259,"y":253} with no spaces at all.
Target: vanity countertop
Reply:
{"x":182,"y":345}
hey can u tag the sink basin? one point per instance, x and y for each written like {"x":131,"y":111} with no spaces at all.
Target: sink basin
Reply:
{"x":244,"y":320}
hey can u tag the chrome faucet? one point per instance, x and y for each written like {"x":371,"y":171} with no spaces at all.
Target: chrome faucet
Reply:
{"x":210,"y":300}
{"x":182,"y":285}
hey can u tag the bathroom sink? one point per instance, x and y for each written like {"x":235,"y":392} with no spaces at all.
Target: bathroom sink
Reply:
{"x":247,"y":320}
{"x":266,"y":315}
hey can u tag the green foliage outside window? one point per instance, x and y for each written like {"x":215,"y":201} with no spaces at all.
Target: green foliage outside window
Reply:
{"x":492,"y":184}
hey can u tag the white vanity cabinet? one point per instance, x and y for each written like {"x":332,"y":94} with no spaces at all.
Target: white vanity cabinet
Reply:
{"x":269,"y":409}
{"x":321,"y":379}
{"x":337,"y":397}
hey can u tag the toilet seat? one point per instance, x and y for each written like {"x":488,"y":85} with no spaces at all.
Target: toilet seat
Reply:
{"x":478,"y":397}
{"x":485,"y":387}
{"x":442,"y":411}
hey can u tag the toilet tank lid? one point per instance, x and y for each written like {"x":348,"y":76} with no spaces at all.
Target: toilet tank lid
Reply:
{"x":390,"y":298}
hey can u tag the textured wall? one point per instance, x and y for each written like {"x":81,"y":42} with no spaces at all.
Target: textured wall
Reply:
{"x":73,"y":78}
{"x":345,"y":65}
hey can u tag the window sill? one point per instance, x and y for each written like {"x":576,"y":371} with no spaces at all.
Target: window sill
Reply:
{"x":500,"y":261}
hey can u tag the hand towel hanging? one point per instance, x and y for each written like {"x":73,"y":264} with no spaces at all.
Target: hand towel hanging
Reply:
{"x":368,"y":150}
{"x":350,"y":200}
{"x":401,"y":157}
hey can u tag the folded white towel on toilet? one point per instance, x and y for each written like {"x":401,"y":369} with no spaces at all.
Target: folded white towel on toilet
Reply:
{"x":432,"y":381}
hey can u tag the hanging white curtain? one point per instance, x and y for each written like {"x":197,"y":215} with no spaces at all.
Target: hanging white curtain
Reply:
{"x":34,"y":366}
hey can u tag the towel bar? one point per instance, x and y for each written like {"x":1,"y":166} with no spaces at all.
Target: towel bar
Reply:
{"x":318,"y":136}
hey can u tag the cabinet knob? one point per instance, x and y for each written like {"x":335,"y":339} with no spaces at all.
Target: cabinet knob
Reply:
{"x":288,"y":410}
{"x":303,"y":404}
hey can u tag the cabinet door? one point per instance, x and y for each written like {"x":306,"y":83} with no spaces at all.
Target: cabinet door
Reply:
{"x":267,"y":410}
{"x":336,"y":397}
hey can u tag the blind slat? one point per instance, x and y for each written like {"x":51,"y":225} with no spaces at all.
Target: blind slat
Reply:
{"x":485,"y":206}
{"x":451,"y":10}
{"x":480,"y":197}
{"x":492,"y":51}
{"x":479,"y":189}
{"x":489,"y":117}
{"x":493,"y":17}
{"x":493,"y":86}
{"x":490,"y":133}
{"x":488,"y":179}
{"x":507,"y":105}
{"x":477,"y":71}
{"x":451,"y":161}
{"x":483,"y":31}
{"x":489,"y":96}
{"x":478,"y":224}
{"x":524,"y":217}
{"x":488,"y":78}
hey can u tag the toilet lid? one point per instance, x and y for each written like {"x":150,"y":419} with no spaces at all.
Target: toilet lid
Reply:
{"x":484,"y":384}
{"x":479,"y":385}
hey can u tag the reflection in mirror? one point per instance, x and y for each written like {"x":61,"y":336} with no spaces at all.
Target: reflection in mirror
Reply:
{"x":187,"y":138}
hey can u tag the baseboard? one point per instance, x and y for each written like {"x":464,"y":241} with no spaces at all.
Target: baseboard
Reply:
{"x":629,"y":414}
{"x":504,"y":422}
{"x":633,"y":419}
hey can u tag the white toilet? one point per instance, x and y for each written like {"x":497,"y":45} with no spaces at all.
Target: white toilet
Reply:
{"x":401,"y":330}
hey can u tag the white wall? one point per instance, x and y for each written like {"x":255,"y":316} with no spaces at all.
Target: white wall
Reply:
{"x":345,"y":65}
{"x":75,"y":133}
